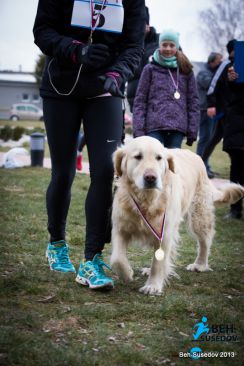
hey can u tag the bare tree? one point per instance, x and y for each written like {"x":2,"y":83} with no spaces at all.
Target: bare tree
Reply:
{"x":222,"y":22}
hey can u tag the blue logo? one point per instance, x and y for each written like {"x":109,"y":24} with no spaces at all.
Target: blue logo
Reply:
{"x":202,"y":332}
{"x":201,"y":328}
{"x":195,"y":353}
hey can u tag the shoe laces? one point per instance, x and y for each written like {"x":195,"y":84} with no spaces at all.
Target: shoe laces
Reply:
{"x":63,"y":255}
{"x":98,"y":264}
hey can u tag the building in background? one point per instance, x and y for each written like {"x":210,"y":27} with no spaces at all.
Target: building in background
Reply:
{"x":17,"y":87}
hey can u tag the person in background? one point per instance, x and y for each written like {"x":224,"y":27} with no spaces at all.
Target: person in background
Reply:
{"x":150,"y":45}
{"x":217,"y":101}
{"x":92,"y":48}
{"x":203,"y":79}
{"x":233,"y":136}
{"x":166,"y":105}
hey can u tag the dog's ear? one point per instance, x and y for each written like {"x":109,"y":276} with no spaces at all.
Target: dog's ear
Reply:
{"x":117,"y":159}
{"x":171,"y":163}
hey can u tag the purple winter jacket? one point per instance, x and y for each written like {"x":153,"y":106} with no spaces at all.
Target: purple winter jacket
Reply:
{"x":155,"y":107}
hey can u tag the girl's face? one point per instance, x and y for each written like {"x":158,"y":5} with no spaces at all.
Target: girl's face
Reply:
{"x":167,"y":48}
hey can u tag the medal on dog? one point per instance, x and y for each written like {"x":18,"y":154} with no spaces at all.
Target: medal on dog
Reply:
{"x":159,"y":254}
{"x":177,"y":95}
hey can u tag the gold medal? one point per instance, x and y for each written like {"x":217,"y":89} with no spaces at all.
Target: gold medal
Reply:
{"x":177,"y":95}
{"x":175,"y":83}
{"x":159,"y":254}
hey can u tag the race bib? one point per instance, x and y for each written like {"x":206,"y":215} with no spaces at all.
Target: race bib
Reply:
{"x":111,"y":15}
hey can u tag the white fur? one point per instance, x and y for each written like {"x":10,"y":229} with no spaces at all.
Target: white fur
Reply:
{"x":181,"y":189}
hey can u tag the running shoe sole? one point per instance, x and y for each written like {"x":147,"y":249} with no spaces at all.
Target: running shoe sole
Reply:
{"x":85,"y":282}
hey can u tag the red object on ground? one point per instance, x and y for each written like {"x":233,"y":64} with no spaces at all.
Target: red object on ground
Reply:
{"x":79,"y":162}
{"x":128,"y":119}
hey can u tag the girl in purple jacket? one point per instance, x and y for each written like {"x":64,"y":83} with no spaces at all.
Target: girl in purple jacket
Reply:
{"x":166,"y":105}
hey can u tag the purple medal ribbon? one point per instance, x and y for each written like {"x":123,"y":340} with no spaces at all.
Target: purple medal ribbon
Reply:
{"x":151,"y":228}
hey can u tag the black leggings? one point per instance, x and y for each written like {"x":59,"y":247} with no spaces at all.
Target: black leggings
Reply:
{"x":214,"y":140}
{"x":102,"y":124}
{"x":237,"y":174}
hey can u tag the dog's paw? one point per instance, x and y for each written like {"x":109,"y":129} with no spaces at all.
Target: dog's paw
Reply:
{"x":151,"y":290}
{"x":146,"y":271}
{"x":194,"y":267}
{"x":125,"y":273}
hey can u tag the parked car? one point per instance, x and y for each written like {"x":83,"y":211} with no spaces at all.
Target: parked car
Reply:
{"x":25,"y":111}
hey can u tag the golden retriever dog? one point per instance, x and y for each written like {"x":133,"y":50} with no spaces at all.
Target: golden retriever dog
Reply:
{"x":153,"y":182}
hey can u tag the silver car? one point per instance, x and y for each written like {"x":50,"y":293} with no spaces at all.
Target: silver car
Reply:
{"x":25,"y":112}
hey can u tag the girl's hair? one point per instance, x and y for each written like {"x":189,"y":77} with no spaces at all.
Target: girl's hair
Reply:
{"x":185,"y":65}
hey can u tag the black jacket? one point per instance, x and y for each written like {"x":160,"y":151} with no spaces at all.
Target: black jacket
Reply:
{"x":234,"y":121}
{"x":150,"y":45}
{"x":203,"y":80}
{"x":221,"y":94}
{"x":55,"y":36}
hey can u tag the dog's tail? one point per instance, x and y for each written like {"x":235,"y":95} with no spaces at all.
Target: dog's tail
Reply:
{"x":229,"y":193}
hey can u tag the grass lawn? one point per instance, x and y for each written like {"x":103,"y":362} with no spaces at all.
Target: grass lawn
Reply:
{"x":48,"y":319}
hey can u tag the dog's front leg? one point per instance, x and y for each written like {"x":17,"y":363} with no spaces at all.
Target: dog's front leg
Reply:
{"x":119,"y":261}
{"x":155,"y":281}
{"x":159,"y":273}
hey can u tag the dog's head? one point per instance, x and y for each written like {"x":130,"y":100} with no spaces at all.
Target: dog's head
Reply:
{"x":143,"y":161}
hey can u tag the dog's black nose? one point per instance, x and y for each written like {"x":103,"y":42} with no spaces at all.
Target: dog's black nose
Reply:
{"x":150,"y":179}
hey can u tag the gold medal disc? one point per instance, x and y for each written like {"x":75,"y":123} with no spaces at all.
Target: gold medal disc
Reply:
{"x":159,"y":254}
{"x":177,"y":95}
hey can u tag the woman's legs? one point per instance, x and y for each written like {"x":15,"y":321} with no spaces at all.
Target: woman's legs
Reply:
{"x":214,"y":140}
{"x":205,"y":133}
{"x":237,"y":176}
{"x":159,"y":135}
{"x":62,"y":120}
{"x":170,"y":139}
{"x":173,"y":139}
{"x":103,"y":124}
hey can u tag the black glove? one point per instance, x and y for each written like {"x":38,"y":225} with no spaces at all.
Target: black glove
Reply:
{"x":95,"y":55}
{"x":189,"y":141}
{"x":112,"y":83}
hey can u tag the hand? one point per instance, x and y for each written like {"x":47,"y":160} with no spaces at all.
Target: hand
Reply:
{"x":211,"y":112}
{"x":111,"y":83}
{"x":232,"y":75}
{"x":189,"y":141}
{"x":95,"y":55}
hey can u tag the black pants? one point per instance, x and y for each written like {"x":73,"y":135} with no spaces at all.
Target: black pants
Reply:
{"x":237,"y":174}
{"x":102,"y":124}
{"x":217,"y":136}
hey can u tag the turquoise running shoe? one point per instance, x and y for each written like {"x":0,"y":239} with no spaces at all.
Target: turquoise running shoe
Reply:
{"x":91,"y":273}
{"x":57,"y":254}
